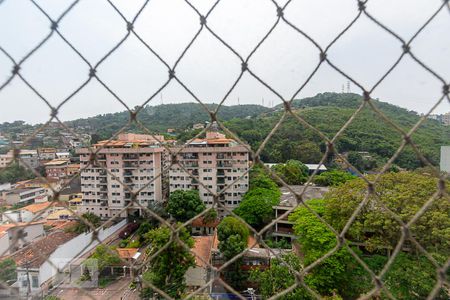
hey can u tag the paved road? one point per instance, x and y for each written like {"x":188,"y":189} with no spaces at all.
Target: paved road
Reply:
{"x":117,"y":291}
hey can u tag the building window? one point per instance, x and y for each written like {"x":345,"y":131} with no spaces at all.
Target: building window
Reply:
{"x":34,"y":281}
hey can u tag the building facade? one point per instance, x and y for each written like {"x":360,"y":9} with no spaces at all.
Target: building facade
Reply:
{"x":9,"y":236}
{"x":25,"y":196}
{"x":133,"y":159}
{"x":216,"y":162}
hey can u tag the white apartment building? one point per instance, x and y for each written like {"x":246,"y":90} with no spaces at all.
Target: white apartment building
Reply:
{"x":133,"y":159}
{"x":217,"y":162}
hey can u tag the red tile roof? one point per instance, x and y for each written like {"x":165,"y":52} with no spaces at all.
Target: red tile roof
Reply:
{"x":126,"y":253}
{"x":35,"y":254}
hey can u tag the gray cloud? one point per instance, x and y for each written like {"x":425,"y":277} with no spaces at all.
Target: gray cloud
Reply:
{"x":209,"y":69}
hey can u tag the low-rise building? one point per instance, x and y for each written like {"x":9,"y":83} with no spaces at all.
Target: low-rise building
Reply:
{"x":15,"y":236}
{"x":446,"y":119}
{"x":27,"y":158}
{"x":57,"y":168}
{"x":49,"y":184}
{"x":5,"y":159}
{"x":200,"y":227}
{"x":47,"y":153}
{"x":36,"y":263}
{"x":62,"y":155}
{"x":198,"y":126}
{"x":22,"y":196}
{"x":283,"y":228}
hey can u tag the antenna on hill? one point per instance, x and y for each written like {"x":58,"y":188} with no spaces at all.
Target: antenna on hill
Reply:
{"x":239,"y":102}
{"x":161,"y":96}
{"x":348,"y":86}
{"x":262,"y":101}
{"x":343,"y":89}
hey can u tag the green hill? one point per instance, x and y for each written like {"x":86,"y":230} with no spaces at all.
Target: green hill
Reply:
{"x":328,"y":112}
{"x":160,"y":118}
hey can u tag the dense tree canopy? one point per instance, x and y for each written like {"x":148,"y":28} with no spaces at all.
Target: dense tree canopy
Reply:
{"x":103,"y":256}
{"x":15,"y":172}
{"x":8,"y":271}
{"x":333,"y":178}
{"x":256,"y":206}
{"x":81,"y":226}
{"x":328,"y":112}
{"x":293,"y":172}
{"x":233,"y":235}
{"x":167,"y":269}
{"x":184,"y":205}
{"x":403,"y":193}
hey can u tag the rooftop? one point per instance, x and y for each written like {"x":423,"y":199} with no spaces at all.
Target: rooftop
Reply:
{"x":127,"y":253}
{"x":38,"y":207}
{"x":35,"y":254}
{"x":5,"y":227}
{"x":202,"y":249}
{"x":132,"y":140}
{"x":22,"y":190}
{"x":60,"y":214}
{"x":57,"y":162}
{"x":312,"y":192}
{"x":199,"y":222}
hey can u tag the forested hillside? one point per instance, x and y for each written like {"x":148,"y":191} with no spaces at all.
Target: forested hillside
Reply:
{"x":328,"y":112}
{"x":160,"y":118}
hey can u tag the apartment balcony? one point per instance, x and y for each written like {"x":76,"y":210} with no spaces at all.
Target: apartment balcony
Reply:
{"x":128,"y":165}
{"x":221,"y":164}
{"x":190,"y":164}
{"x":193,"y":156}
{"x":129,"y":157}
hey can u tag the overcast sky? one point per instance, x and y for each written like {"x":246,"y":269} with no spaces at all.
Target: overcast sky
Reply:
{"x":209,"y":69}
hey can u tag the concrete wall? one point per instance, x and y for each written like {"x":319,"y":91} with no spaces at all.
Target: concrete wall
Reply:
{"x":74,"y":249}
{"x":445,"y":159}
{"x":4,"y":244}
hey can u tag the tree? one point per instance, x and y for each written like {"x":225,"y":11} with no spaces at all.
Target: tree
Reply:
{"x":316,"y":239}
{"x":15,"y":172}
{"x":279,"y":277}
{"x":233,"y":235}
{"x":8,"y":270}
{"x":82,"y":227}
{"x":309,"y":152}
{"x":411,"y":276}
{"x":260,"y":179}
{"x":167,"y":269}
{"x":403,"y":193}
{"x":293,"y":172}
{"x":333,"y":178}
{"x":184,"y":205}
{"x":104,"y":256}
{"x":210,"y":216}
{"x":256,"y":206}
